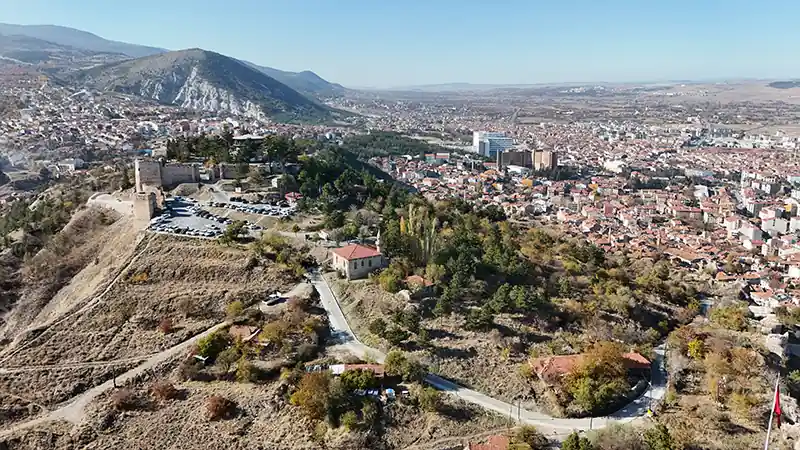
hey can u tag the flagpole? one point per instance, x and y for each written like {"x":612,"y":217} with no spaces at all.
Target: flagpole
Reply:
{"x":772,"y":412}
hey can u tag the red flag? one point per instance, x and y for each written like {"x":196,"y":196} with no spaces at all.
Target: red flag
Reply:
{"x":777,"y":409}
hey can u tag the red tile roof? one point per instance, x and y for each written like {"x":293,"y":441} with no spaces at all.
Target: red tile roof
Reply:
{"x":494,"y":443}
{"x":356,"y":251}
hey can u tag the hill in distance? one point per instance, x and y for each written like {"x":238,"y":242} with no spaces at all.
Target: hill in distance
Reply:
{"x":28,"y":50}
{"x":204,"y":81}
{"x":78,"y":39}
{"x":785,"y":84}
{"x":306,"y":82}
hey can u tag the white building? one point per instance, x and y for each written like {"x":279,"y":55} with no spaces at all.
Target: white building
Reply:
{"x":488,"y":143}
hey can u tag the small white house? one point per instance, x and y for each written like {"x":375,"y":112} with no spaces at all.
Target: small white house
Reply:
{"x":356,"y":261}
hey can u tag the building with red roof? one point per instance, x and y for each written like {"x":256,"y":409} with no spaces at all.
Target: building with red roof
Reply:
{"x":356,"y":261}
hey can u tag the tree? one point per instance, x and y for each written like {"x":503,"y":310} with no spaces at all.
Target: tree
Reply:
{"x":234,"y":309}
{"x":398,"y":364}
{"x":256,"y":176}
{"x":434,"y":273}
{"x":599,"y":378}
{"x":312,"y":394}
{"x":211,"y":345}
{"x":529,"y":435}
{"x":45,"y":174}
{"x":233,"y":232}
{"x":479,"y":319}
{"x":358,"y":379}
{"x":396,"y":335}
{"x":576,"y":442}
{"x":226,"y":359}
{"x":658,"y":438}
{"x":377,"y":327}
{"x":696,"y":349}
{"x":429,"y":399}
{"x":246,"y":372}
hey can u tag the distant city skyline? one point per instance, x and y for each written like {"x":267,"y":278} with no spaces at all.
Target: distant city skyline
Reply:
{"x":393,"y":44}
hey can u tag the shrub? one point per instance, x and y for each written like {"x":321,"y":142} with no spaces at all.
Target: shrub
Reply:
{"x":307,"y":352}
{"x":397,"y":364}
{"x":234,"y":309}
{"x":429,"y":399}
{"x":696,"y":349}
{"x":163,"y":391}
{"x":576,"y":442}
{"x":358,"y":379}
{"x":349,"y":420}
{"x":377,"y":327}
{"x":530,"y":436}
{"x":123,"y":400}
{"x":165,"y":326}
{"x":219,"y":407}
{"x":733,"y":317}
{"x":139,"y":278}
{"x":658,"y":438}
{"x":274,"y":332}
{"x":246,"y":372}
{"x":618,"y":437}
{"x":190,"y":369}
{"x":211,"y":345}
{"x":396,"y":335}
{"x":312,"y":394}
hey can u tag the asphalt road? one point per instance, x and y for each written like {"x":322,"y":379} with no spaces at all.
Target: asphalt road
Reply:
{"x":546,"y":424}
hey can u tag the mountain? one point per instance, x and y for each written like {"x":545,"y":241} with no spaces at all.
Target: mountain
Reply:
{"x":784,"y":84}
{"x":27,"y":50}
{"x":205,"y":81}
{"x":306,"y":81}
{"x":78,"y":39}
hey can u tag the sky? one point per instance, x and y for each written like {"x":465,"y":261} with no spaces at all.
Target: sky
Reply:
{"x":388,"y":43}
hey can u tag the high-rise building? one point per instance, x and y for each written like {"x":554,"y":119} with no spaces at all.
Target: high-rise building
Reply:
{"x":489,"y":143}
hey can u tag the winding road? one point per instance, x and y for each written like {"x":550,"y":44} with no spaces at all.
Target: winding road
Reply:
{"x":550,"y":425}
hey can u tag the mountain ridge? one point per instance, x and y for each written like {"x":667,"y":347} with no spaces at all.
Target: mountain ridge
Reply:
{"x":306,"y":82}
{"x":205,"y":81}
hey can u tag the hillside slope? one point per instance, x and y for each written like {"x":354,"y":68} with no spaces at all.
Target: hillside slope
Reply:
{"x":78,"y":39}
{"x":204,"y":81}
{"x":307,"y":82}
{"x":29,"y":50}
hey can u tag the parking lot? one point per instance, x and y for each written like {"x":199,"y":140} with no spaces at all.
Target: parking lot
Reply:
{"x":187,"y":216}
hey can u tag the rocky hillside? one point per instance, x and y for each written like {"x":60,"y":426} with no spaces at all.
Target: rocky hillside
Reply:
{"x":204,"y":81}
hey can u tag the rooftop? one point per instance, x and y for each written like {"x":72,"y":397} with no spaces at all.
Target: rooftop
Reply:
{"x":356,"y":251}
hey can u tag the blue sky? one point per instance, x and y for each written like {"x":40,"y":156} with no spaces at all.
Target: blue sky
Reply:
{"x":386,"y":43}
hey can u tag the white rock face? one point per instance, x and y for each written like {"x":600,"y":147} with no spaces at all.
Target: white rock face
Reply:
{"x":195,"y":92}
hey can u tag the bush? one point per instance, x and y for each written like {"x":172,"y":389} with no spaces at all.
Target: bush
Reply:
{"x":358,"y":379}
{"x":618,"y":437}
{"x":576,"y":442}
{"x":733,"y":317}
{"x":658,"y":438}
{"x":165,"y":326}
{"x":163,"y":391}
{"x":377,"y":327}
{"x":123,"y":400}
{"x":429,"y":399}
{"x":226,"y":359}
{"x":234,"y":309}
{"x":313,"y":394}
{"x":349,"y":420}
{"x":190,"y":370}
{"x":274,"y":332}
{"x":219,"y":407}
{"x":307,"y":352}
{"x":139,"y":278}
{"x":396,"y":335}
{"x":211,"y":345}
{"x":397,"y":364}
{"x":246,"y":372}
{"x":696,"y":349}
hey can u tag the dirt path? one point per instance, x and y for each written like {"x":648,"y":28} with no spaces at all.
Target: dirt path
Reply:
{"x":73,"y":410}
{"x":81,"y":365}
{"x":12,"y":349}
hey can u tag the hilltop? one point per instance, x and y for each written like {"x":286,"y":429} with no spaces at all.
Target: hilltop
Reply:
{"x":205,"y":81}
{"x":78,"y":39}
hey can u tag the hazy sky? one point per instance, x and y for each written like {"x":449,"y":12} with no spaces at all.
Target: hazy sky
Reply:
{"x":385,"y":43}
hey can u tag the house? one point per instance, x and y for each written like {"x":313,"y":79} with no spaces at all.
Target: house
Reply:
{"x":495,"y":442}
{"x":550,"y":369}
{"x":377,"y":369}
{"x":356,"y":261}
{"x":419,"y":285}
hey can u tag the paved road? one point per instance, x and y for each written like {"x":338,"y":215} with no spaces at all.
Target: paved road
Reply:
{"x":547,"y":424}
